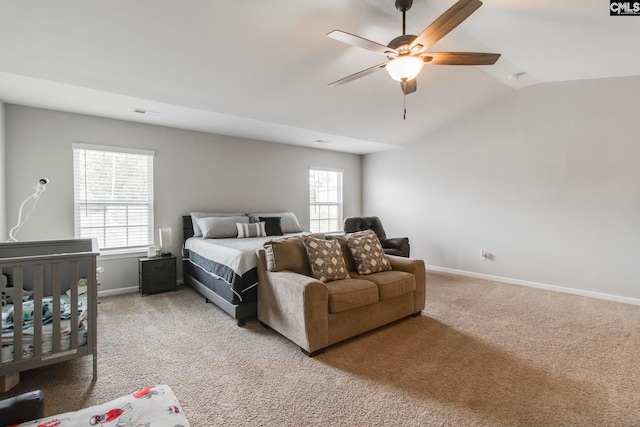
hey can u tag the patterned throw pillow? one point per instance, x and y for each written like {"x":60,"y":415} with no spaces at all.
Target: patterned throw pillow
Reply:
{"x":255,"y":229}
{"x":367,"y":252}
{"x":325,"y":259}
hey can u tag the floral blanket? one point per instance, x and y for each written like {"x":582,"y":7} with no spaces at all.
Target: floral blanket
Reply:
{"x":154,"y":406}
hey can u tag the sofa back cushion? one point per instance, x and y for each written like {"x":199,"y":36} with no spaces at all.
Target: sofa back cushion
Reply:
{"x":287,"y":253}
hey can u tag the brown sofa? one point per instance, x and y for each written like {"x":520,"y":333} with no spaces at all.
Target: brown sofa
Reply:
{"x":314,"y":314}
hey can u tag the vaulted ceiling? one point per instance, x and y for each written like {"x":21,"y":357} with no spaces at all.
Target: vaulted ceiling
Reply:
{"x":259,"y":69}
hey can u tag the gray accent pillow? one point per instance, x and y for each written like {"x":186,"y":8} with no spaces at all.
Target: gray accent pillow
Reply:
{"x":195,"y":216}
{"x":289,"y":222}
{"x":221,"y":227}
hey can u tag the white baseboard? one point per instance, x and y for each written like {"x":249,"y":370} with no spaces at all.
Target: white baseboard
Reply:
{"x":566,"y":290}
{"x":127,"y":290}
{"x":118,"y":291}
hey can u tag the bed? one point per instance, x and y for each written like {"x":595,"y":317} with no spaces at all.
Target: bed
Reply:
{"x":49,"y":305}
{"x":220,"y":265}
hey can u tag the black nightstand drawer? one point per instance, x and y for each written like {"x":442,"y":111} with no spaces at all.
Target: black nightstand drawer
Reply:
{"x":157,"y":274}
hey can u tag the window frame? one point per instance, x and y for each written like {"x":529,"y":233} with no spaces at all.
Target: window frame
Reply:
{"x":339,"y":203}
{"x":82,"y":204}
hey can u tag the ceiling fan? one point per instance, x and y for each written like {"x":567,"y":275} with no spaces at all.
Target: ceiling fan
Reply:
{"x":407,"y":53}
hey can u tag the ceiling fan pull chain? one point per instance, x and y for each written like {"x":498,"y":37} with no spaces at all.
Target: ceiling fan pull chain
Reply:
{"x":404,"y":102}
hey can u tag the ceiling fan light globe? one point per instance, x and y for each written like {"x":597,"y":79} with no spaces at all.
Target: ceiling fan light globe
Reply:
{"x":404,"y":68}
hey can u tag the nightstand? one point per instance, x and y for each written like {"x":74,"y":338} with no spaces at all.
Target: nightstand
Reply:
{"x":156,"y":274}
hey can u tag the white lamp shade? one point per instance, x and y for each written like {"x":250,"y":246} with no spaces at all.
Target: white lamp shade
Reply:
{"x":165,"y":237}
{"x":404,"y":68}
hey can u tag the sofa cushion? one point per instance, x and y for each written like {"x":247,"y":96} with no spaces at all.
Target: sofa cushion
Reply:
{"x":367,"y":252}
{"x":287,"y":253}
{"x":391,"y":283}
{"x":325,"y":259}
{"x":350,"y":293}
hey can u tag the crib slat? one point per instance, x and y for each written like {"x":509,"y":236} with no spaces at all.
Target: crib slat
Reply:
{"x":38,"y":286}
{"x":17,"y":313}
{"x":74,"y":303}
{"x":92,"y":312}
{"x":55,"y":295}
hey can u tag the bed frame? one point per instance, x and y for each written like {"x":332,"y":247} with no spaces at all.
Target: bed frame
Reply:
{"x":210,"y":287}
{"x":50,"y":268}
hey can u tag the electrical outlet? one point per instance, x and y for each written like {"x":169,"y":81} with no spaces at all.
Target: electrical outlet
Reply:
{"x":484,"y":255}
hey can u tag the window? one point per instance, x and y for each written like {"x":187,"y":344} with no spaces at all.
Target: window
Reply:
{"x":325,"y":196}
{"x":113,"y":196}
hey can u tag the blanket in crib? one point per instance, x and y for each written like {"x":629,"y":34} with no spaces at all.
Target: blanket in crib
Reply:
{"x":46,"y":336}
{"x":28,"y":310}
{"x":155,"y":406}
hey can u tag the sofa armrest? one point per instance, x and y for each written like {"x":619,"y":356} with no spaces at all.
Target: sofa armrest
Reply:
{"x":417,"y":268}
{"x":295,"y":305}
{"x":22,"y":408}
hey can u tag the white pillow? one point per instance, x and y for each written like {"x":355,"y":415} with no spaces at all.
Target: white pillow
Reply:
{"x":220,"y":227}
{"x":289,"y":222}
{"x":255,"y":229}
{"x":195,"y":216}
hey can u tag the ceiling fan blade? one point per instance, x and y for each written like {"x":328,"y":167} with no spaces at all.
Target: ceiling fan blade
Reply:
{"x":409,"y":86}
{"x":358,"y":75}
{"x":446,"y":22}
{"x":462,"y":58}
{"x":363,"y":43}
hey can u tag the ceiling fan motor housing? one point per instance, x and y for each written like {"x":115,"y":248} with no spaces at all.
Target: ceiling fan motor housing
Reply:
{"x":402,"y":43}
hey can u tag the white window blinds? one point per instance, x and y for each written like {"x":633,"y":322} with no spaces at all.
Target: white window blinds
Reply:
{"x":113,"y":196}
{"x":325,"y":200}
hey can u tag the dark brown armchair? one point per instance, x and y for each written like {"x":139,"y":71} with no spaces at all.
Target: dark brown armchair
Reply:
{"x":395,"y":246}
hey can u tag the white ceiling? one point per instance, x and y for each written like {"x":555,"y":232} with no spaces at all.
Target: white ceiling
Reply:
{"x":259,"y":69}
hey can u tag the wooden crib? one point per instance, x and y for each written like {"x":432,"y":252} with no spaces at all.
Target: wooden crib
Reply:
{"x":47,"y":271}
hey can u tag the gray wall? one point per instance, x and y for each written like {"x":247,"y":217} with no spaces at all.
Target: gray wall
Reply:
{"x":3,"y":179}
{"x":547,"y":180}
{"x":192,"y":171}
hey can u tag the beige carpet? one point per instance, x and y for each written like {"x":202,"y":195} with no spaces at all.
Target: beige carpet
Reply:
{"x":482,"y":354}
